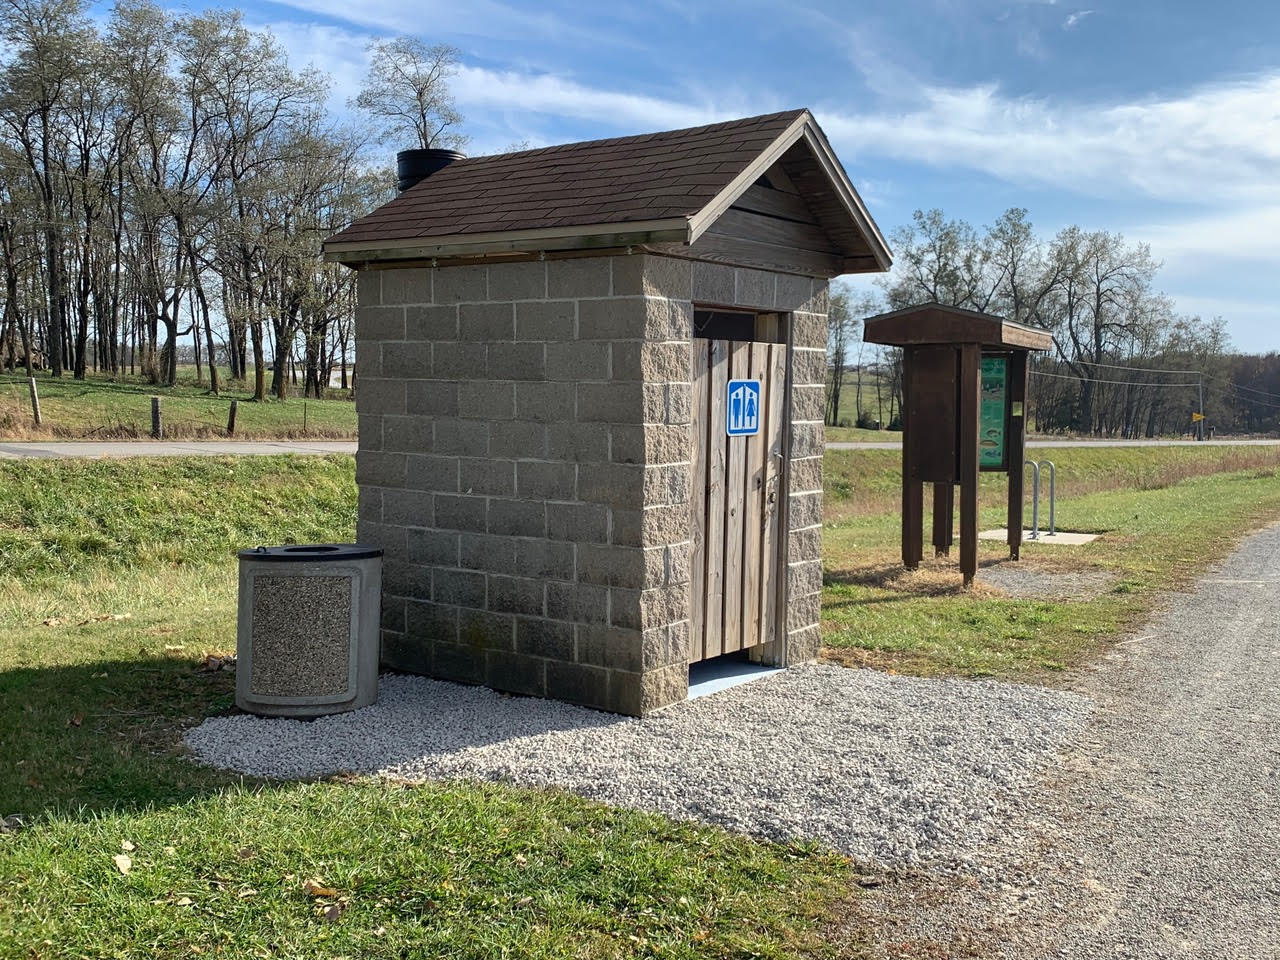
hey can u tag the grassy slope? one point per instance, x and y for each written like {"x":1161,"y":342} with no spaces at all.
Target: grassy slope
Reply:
{"x":98,"y":408}
{"x":91,"y":709}
{"x":1166,"y":514}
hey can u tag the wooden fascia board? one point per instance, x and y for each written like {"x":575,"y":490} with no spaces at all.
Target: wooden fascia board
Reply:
{"x":848,"y":195}
{"x":588,"y":236}
{"x":723,"y":200}
{"x":1020,"y":335}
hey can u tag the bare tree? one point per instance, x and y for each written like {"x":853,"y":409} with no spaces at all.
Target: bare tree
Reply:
{"x":43,"y":37}
{"x":844,"y":319}
{"x":407,"y":91}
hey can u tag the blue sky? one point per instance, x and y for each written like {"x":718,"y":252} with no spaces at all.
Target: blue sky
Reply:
{"x":1156,"y":118}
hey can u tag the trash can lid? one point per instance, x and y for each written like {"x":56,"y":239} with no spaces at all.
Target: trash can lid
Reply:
{"x":312,"y":552}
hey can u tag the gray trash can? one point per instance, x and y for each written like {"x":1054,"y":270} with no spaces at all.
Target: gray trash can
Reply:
{"x":307,"y":637}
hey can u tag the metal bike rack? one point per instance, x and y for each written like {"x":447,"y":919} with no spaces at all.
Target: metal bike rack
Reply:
{"x":1036,"y":466}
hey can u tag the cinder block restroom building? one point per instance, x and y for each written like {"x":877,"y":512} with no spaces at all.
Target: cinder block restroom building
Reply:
{"x":553,"y":350}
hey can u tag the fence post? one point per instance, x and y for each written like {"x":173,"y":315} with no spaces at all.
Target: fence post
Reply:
{"x":35,"y":400}
{"x":231,"y":418}
{"x":157,"y":428}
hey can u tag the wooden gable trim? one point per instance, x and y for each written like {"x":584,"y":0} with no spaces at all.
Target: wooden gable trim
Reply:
{"x":857,"y":210}
{"x":804,"y":128}
{"x":709,"y":214}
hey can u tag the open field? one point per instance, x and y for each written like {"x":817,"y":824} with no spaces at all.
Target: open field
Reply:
{"x":119,"y":583}
{"x":98,"y":408}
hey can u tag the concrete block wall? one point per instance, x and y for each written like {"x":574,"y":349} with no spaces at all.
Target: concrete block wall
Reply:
{"x":524,"y":461}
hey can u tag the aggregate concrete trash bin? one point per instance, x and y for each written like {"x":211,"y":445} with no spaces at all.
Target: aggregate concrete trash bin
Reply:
{"x":307,"y":637}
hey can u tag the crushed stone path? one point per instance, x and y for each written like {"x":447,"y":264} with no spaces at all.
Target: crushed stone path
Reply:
{"x":1160,"y":836}
{"x":891,"y":770}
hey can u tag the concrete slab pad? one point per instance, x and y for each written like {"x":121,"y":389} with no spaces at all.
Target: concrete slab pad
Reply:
{"x":1060,"y":539}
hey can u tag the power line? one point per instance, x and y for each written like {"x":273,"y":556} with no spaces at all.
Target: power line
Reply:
{"x":1123,"y":383}
{"x":1121,"y":366}
{"x":1237,"y":386}
{"x":1225,"y":393}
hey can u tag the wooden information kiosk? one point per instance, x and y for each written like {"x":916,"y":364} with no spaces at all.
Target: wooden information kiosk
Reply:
{"x":964,"y":387}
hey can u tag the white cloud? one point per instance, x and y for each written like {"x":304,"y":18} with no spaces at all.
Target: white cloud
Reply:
{"x":471,"y":18}
{"x":564,"y":97}
{"x":1074,"y":19}
{"x":1246,"y":235}
{"x":1219,"y":142}
{"x":334,"y":51}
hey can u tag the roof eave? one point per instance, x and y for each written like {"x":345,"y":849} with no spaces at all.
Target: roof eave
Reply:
{"x":577,"y":237}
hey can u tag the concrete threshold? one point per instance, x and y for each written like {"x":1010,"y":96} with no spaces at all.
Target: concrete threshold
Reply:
{"x":712,"y":676}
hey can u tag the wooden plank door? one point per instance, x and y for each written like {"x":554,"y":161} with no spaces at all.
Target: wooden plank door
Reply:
{"x":737,"y":489}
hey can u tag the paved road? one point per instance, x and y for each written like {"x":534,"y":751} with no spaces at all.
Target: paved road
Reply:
{"x":171,"y":448}
{"x":189,"y":448}
{"x":1226,"y":442}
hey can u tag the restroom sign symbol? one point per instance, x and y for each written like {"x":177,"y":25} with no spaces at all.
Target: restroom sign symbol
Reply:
{"x":742,"y":409}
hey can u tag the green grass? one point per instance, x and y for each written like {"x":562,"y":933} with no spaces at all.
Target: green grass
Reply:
{"x":435,"y":870}
{"x":100,"y":408}
{"x":1165,"y":514}
{"x":118,"y":580}
{"x":858,"y":435}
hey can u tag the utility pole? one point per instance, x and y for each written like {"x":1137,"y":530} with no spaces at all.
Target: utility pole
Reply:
{"x":1200,"y":422}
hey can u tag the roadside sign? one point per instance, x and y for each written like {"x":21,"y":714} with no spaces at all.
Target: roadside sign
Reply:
{"x":1197,"y":417}
{"x":742,"y":408}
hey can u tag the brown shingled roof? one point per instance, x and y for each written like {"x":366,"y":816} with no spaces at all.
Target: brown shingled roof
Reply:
{"x":655,"y":176}
{"x":657,"y":190}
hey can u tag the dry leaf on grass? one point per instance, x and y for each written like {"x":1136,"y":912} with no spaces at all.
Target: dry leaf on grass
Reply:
{"x":53,"y":622}
{"x":126,"y":846}
{"x":316,"y":888}
{"x":75,"y":720}
{"x":333,"y":911}
{"x":124,"y":863}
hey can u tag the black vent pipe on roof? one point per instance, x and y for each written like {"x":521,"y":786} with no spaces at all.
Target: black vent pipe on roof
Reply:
{"x":414,"y":166}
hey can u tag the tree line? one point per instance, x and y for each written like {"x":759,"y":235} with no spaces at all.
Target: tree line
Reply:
{"x":169,"y":175}
{"x":1125,"y":362}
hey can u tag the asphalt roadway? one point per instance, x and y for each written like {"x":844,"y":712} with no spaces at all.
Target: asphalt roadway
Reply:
{"x":242,"y":448}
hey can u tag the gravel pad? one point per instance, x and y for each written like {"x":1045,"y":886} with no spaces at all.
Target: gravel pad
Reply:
{"x":1047,"y":584}
{"x":890,"y":770}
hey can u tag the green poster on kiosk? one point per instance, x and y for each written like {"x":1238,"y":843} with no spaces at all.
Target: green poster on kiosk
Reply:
{"x":992,"y":419}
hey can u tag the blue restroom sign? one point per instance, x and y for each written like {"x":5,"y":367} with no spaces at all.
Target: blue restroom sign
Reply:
{"x":742,"y":409}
